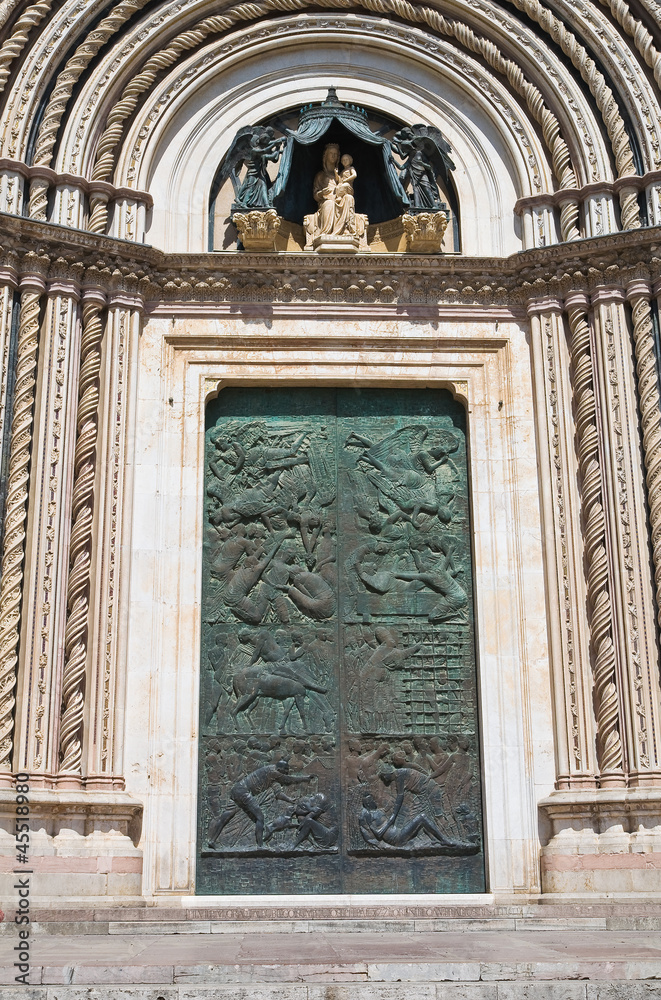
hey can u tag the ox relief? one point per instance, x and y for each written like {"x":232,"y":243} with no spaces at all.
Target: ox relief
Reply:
{"x":339,"y":746}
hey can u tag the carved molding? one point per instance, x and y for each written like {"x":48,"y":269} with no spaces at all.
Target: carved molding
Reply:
{"x":650,"y":413}
{"x":13,"y":46}
{"x":603,"y":96}
{"x":414,"y":39}
{"x":141,"y":276}
{"x":104,"y":750}
{"x":6,"y":316}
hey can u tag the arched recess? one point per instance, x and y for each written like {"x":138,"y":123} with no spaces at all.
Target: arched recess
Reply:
{"x":121,"y":64}
{"x":176,"y":143}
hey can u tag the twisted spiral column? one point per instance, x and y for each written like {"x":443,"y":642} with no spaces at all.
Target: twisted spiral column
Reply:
{"x":6,"y":7}
{"x":80,"y":556}
{"x":603,"y":95}
{"x":408,"y":11}
{"x":16,"y":509}
{"x":14,"y":45}
{"x":636,"y":30}
{"x":600,"y":611}
{"x":638,"y":293}
{"x":62,"y":91}
{"x":38,"y":199}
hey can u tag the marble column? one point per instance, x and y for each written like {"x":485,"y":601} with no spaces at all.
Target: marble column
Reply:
{"x":46,"y":557}
{"x":32,"y":287}
{"x":568,"y":632}
{"x":118,"y":381}
{"x":635,"y":633}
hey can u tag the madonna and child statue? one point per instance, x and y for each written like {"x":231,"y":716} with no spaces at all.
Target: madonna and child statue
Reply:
{"x":335,"y":226}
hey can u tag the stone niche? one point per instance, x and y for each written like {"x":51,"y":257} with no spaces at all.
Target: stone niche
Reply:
{"x":335,"y":178}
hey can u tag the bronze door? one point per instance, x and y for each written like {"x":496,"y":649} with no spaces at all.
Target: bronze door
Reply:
{"x":339,"y":747}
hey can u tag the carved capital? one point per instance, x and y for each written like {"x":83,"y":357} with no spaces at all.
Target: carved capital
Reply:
{"x":258,"y":230}
{"x":425,"y":231}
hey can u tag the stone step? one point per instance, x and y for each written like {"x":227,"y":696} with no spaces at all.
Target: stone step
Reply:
{"x":137,"y":985}
{"x":464,"y":924}
{"x":368,"y":960}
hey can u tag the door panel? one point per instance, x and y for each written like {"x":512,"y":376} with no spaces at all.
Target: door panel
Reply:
{"x":339,"y":748}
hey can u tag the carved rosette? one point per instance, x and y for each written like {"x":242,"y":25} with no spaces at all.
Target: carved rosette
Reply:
{"x":425,"y":231}
{"x":258,"y":230}
{"x":16,"y":514}
{"x":600,"y":611}
{"x":76,"y":633}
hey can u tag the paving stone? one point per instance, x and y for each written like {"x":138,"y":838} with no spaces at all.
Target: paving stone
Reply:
{"x":24,"y":992}
{"x":74,"y":928}
{"x":263,"y":927}
{"x":292,"y":973}
{"x":561,"y":924}
{"x":474,"y":924}
{"x":251,"y":991}
{"x":636,"y":923}
{"x":360,"y":926}
{"x":8,"y":977}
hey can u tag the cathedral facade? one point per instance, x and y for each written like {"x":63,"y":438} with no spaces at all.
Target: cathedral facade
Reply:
{"x":331,"y":447}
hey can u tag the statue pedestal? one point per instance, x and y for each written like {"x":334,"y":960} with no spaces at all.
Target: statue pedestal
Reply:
{"x":258,"y":230}
{"x":326,"y":243}
{"x":425,"y":231}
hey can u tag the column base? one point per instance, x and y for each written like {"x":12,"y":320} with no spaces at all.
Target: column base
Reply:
{"x":81,"y":843}
{"x":603,"y":841}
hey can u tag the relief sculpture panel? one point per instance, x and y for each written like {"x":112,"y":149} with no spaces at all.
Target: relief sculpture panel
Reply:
{"x":339,"y":748}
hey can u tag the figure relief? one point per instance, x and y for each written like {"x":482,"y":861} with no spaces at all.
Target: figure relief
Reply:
{"x":338,"y":713}
{"x":273,"y":672}
{"x":403,"y":800}
{"x":261,"y":804}
{"x":408,"y":167}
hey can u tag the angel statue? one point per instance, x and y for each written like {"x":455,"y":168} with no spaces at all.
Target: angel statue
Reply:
{"x":425,"y":154}
{"x":254,"y":147}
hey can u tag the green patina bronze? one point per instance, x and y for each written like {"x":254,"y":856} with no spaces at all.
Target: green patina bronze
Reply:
{"x":339,"y":749}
